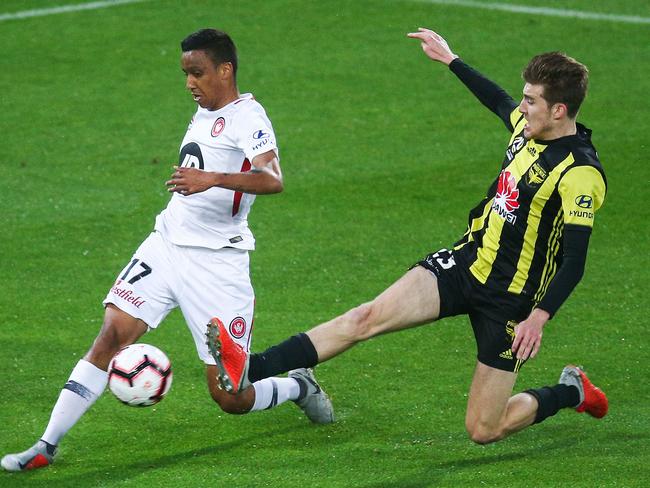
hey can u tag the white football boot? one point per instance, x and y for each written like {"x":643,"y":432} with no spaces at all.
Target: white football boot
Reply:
{"x":35,"y":457}
{"x":312,"y":399}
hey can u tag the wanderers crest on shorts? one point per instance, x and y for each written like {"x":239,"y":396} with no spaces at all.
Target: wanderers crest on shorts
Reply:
{"x":238,"y":327}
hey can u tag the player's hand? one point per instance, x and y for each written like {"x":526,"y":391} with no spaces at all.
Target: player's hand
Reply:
{"x":528,"y":334}
{"x":187,"y":181}
{"x":433,"y":45}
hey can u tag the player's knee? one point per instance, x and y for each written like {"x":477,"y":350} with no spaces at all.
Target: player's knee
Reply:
{"x":118,"y":330}
{"x":358,"y":322}
{"x":105,"y":346}
{"x":481,"y":433}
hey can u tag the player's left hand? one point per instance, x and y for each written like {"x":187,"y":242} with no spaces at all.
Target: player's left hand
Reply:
{"x":528,"y":334}
{"x":433,"y":45}
{"x":187,"y":181}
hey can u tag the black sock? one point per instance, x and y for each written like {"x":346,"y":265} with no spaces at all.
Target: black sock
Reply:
{"x":553,"y":398}
{"x":296,"y":352}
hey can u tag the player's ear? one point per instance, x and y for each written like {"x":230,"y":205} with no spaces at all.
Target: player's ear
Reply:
{"x":559,"y":110}
{"x":226,"y":70}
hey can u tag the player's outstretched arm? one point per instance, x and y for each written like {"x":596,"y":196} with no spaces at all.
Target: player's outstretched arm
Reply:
{"x":433,"y":45}
{"x":265,"y":177}
{"x":489,"y":93}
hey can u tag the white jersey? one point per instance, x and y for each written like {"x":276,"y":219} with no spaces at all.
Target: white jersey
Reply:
{"x":223,"y":141}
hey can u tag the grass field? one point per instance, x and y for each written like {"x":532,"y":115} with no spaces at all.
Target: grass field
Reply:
{"x":383,"y":154}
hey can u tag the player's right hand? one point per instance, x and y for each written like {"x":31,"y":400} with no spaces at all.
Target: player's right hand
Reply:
{"x":188,"y":181}
{"x":528,"y":334}
{"x":433,"y":45}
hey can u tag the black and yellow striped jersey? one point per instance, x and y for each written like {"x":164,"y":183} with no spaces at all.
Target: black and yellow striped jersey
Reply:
{"x":514,"y":239}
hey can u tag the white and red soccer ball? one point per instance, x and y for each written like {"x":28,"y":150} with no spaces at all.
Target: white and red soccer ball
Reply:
{"x":140,"y":375}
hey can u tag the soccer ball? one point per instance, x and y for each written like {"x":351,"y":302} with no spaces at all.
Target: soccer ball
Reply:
{"x":140,"y":375}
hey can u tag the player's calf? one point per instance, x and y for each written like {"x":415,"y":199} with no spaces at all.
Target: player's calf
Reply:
{"x":237,"y":404}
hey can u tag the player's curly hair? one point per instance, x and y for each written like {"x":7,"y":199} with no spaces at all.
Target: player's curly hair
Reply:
{"x":219,"y":46}
{"x":564,"y":79}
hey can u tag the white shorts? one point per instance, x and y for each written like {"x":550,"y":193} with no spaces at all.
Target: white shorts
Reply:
{"x":204,"y":283}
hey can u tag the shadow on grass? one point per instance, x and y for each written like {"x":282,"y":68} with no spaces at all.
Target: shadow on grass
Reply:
{"x":435,"y":474}
{"x":434,"y":467}
{"x":109,"y":474}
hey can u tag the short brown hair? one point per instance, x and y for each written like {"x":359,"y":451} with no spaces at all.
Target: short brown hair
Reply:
{"x":564,"y":79}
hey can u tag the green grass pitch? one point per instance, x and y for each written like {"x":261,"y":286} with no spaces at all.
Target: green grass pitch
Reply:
{"x":383,"y":153}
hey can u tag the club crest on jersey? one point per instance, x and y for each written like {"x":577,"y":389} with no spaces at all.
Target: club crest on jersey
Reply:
{"x":218,"y":126}
{"x":506,"y":199}
{"x":535,"y":175}
{"x":238,"y":327}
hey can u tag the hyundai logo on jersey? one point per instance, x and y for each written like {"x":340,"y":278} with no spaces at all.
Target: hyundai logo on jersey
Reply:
{"x":584,"y":201}
{"x":260,"y":134}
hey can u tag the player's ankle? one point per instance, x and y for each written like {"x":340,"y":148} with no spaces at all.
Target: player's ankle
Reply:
{"x":51,"y":448}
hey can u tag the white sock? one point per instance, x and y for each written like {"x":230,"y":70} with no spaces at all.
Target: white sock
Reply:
{"x":85,"y":385}
{"x":271,"y":392}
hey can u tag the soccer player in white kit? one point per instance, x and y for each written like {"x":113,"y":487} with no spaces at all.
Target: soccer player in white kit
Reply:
{"x":197,"y":256}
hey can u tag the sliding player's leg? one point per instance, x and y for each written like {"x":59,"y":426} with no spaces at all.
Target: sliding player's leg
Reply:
{"x":493,"y":413}
{"x":411,"y":301}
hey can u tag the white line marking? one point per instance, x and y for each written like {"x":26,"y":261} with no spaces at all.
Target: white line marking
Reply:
{"x":554,"y":12}
{"x":39,"y":12}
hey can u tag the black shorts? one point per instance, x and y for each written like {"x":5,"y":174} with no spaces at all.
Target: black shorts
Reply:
{"x":493,"y":314}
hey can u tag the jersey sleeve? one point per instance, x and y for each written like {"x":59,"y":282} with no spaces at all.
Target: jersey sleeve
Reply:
{"x":582,"y":190}
{"x":489,"y":93}
{"x":255,"y":134}
{"x":576,"y":243}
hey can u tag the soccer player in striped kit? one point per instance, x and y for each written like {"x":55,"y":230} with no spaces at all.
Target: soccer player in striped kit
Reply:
{"x":522,"y":255}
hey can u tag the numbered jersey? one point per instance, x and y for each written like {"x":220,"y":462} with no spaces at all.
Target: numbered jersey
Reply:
{"x":223,"y":141}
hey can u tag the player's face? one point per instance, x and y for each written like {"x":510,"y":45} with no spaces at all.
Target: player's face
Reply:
{"x":538,"y":114}
{"x":206,"y":82}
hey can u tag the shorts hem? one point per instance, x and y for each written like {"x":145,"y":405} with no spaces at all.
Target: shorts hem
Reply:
{"x":129,"y":312}
{"x":510,"y":365}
